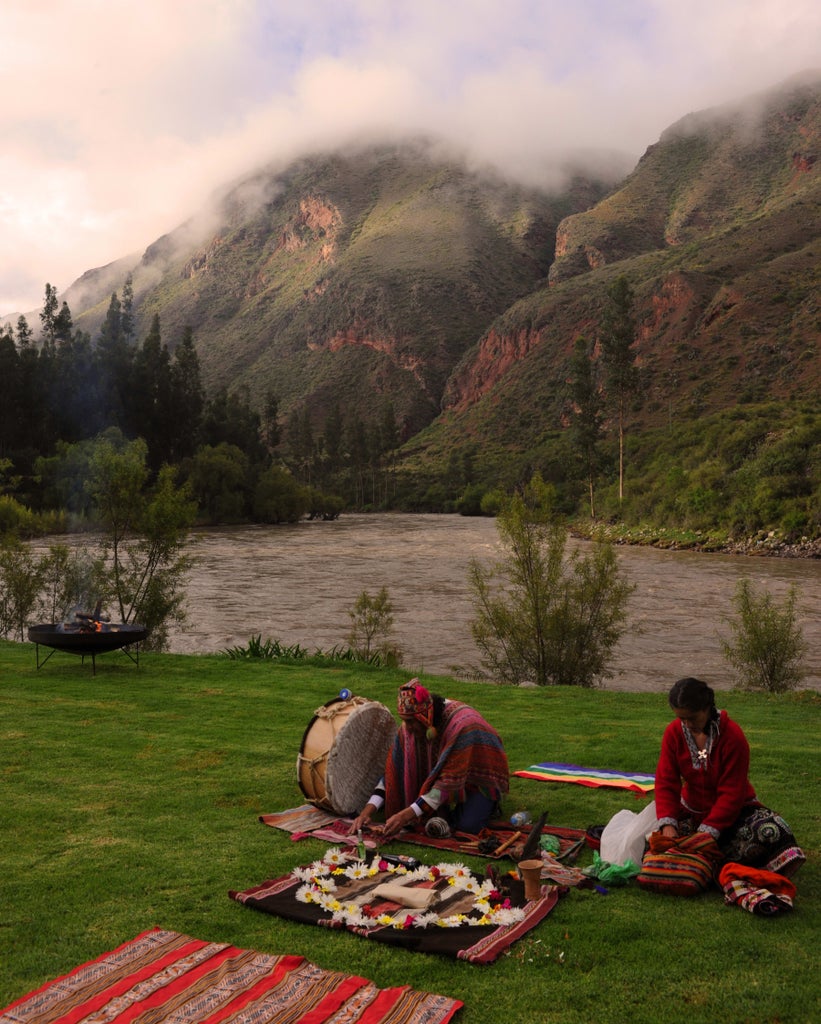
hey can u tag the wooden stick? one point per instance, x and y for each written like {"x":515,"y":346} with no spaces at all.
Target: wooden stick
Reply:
{"x":508,"y":842}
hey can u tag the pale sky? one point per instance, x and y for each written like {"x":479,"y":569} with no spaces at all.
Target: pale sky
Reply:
{"x":118,"y":119}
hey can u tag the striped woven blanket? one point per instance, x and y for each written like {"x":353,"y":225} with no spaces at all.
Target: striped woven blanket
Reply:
{"x":162,"y":976}
{"x":548,"y":771}
{"x":309,"y":822}
{"x":444,"y":908}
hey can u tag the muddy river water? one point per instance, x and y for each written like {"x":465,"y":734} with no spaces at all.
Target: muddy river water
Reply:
{"x":297,"y":584}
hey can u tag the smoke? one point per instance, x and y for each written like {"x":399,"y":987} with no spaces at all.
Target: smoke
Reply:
{"x":121,"y":121}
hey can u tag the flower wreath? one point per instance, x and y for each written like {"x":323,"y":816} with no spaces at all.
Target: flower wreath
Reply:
{"x":320,"y":888}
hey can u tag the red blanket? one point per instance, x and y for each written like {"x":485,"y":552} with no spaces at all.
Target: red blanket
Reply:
{"x":163,"y":976}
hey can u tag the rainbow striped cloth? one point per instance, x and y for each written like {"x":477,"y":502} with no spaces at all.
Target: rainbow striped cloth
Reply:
{"x":547,"y":771}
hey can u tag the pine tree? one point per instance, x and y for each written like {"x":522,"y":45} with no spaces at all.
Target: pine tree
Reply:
{"x":617,"y":336}
{"x":48,"y":316}
{"x":188,"y":397}
{"x":586,"y":415}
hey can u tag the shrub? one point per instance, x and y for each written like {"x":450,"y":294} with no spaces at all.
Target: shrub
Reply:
{"x":372,"y":627}
{"x":767,"y":647}
{"x":541,"y":616}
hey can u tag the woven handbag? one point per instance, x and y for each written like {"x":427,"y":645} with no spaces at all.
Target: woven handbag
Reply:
{"x":685,"y":869}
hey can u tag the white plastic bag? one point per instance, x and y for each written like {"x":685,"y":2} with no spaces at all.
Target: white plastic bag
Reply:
{"x":625,"y":834}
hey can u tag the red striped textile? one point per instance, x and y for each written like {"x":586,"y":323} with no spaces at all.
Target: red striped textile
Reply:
{"x":163,"y":976}
{"x":308,"y":822}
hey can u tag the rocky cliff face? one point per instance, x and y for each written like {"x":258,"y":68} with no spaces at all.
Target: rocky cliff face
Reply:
{"x":717,"y":230}
{"x":388,"y":273}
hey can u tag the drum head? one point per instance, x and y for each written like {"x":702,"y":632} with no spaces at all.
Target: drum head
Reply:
{"x":343,"y":753}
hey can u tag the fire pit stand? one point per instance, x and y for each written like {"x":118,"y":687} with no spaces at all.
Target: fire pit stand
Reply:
{"x":82,"y":641}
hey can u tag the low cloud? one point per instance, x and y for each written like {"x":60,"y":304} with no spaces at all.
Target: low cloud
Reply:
{"x":120,"y":120}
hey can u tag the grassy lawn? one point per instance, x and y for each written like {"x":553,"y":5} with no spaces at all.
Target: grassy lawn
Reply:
{"x":130,"y":799}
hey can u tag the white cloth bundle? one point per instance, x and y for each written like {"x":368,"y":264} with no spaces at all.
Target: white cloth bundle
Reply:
{"x":406,"y":896}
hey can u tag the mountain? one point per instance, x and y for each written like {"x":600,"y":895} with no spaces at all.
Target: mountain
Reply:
{"x":398,"y":272}
{"x":717,"y":230}
{"x":354,"y":277}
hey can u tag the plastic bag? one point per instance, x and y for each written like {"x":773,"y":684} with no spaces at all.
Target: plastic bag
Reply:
{"x":625,"y":834}
{"x":611,"y":874}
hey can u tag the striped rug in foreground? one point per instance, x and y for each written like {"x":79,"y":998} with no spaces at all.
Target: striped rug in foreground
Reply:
{"x":164,"y":976}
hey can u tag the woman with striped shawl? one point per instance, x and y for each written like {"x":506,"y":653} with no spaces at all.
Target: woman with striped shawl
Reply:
{"x":447,"y":768}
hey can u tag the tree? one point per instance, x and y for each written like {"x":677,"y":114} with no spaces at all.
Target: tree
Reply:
{"x":230,"y":419}
{"x":20,"y":584}
{"x":270,"y":421}
{"x":188,"y":397}
{"x":127,"y":311}
{"x":767,"y":647}
{"x":153,"y":414}
{"x":114,"y":357}
{"x":586,"y":415}
{"x":279,"y":498}
{"x":542,"y":616}
{"x":145,"y":531}
{"x":63,"y":324}
{"x":617,"y":335}
{"x":219,"y":480}
{"x":48,"y":315}
{"x":372,"y":627}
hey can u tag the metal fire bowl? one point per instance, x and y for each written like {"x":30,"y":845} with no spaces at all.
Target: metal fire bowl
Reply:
{"x":111,"y":637}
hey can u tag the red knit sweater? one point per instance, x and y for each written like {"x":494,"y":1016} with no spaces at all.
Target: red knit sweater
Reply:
{"x":713,"y":796}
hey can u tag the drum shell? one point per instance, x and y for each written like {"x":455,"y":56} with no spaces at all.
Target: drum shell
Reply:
{"x":343,"y":753}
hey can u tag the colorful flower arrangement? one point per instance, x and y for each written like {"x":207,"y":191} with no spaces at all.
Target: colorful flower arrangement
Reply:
{"x":320,"y":888}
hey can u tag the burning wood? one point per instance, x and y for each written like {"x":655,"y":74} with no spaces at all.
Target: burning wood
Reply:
{"x":89,"y":622}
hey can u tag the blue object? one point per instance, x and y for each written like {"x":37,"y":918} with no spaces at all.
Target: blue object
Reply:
{"x":520,"y":818}
{"x":345,"y":694}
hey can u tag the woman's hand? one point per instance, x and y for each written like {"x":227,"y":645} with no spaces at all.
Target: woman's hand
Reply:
{"x":362,"y":820}
{"x":398,"y":821}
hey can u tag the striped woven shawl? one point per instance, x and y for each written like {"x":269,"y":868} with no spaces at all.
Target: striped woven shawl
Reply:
{"x":466,"y":755}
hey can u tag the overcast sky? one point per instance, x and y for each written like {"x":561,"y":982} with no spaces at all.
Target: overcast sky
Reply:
{"x":120,"y":118}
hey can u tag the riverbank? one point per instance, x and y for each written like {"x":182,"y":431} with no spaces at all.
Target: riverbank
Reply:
{"x":769,"y":544}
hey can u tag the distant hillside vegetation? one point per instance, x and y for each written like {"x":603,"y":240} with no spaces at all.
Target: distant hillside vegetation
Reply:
{"x":350,"y":277}
{"x":394,"y":275}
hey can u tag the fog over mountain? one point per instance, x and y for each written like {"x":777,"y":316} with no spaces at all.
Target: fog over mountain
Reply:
{"x":120,"y":122}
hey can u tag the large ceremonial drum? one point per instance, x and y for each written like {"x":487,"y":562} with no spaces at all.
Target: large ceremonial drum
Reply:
{"x":343,"y":753}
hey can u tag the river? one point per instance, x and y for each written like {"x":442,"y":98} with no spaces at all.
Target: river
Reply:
{"x":297,"y":584}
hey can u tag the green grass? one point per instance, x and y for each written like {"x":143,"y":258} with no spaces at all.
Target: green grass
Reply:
{"x":130,"y":799}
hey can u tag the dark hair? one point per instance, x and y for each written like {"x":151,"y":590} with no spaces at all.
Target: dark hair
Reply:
{"x":692,"y":694}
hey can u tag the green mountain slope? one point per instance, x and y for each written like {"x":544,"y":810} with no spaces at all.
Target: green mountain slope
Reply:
{"x":717,"y":230}
{"x":350,"y":277}
{"x":395,"y":273}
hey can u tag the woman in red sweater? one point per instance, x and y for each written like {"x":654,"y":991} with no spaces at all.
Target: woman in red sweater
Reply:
{"x":702,"y":784}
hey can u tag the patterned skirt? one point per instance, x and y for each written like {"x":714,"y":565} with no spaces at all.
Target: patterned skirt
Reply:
{"x":760,"y":838}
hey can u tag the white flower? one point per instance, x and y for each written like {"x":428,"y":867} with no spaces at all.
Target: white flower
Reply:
{"x":306,"y":894}
{"x":356,"y":870}
{"x":335,"y":856}
{"x":303,"y":874}
{"x":454,"y":921}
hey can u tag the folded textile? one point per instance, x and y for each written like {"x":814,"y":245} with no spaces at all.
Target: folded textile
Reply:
{"x":681,"y":866}
{"x":755,"y":889}
{"x":551,"y":771}
{"x":405,"y":896}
